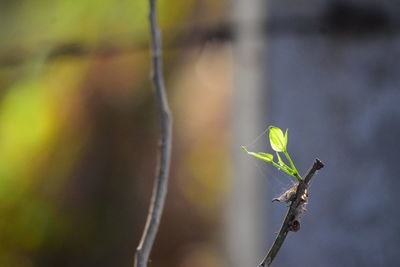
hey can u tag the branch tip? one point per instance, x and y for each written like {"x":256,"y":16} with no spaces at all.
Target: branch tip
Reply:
{"x":318,"y":164}
{"x":297,"y":206}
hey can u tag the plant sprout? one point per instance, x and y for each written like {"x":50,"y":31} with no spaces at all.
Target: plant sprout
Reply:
{"x":297,"y":195}
{"x":278,"y":142}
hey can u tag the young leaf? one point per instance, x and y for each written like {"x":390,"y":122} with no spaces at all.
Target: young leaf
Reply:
{"x":263,"y":156}
{"x":277,"y":139}
{"x":266,"y":155}
{"x":260,"y":155}
{"x":278,"y":142}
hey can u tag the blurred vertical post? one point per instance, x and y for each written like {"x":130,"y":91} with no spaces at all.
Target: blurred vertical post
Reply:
{"x":246,"y":210}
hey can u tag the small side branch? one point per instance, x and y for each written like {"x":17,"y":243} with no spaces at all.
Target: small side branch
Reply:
{"x":161,"y":180}
{"x":290,"y":222}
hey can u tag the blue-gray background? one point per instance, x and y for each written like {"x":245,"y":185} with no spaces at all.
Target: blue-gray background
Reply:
{"x":334,"y":77}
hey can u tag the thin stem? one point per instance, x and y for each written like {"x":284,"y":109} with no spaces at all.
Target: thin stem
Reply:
{"x":160,"y":186}
{"x":296,"y":173}
{"x":292,"y":172}
{"x":291,"y":214}
{"x":280,"y":161}
{"x":287,"y":170}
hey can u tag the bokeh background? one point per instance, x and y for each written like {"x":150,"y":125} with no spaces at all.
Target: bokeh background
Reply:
{"x":79,"y":130}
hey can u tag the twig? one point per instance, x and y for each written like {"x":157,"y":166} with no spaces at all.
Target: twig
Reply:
{"x":290,"y":223}
{"x":160,"y":187}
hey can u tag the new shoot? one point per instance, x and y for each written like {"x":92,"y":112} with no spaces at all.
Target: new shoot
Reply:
{"x":278,"y":142}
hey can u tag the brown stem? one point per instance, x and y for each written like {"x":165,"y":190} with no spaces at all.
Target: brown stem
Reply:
{"x":289,"y":221}
{"x":160,"y":187}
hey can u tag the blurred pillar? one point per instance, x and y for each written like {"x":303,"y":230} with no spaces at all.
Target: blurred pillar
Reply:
{"x":246,"y":205}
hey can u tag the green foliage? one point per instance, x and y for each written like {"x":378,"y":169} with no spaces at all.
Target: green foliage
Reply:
{"x":278,"y":142}
{"x":263,"y":156}
{"x":277,"y":139}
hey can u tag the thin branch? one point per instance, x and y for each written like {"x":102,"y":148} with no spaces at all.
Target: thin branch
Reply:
{"x":160,"y":187}
{"x":290,"y":223}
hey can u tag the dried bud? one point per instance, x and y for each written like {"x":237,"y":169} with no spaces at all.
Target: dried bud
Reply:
{"x":294,"y":226}
{"x":288,"y":195}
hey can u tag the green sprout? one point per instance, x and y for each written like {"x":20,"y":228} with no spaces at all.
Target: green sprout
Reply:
{"x":278,"y":142}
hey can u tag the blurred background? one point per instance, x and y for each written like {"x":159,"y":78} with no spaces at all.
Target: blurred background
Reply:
{"x":79,"y":129}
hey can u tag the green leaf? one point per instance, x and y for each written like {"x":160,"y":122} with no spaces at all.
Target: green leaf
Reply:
{"x":260,"y":155}
{"x":277,"y":139}
{"x":263,"y":156}
{"x":266,"y":155}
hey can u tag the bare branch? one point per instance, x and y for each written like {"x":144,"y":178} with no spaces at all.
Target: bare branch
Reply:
{"x":291,"y":223}
{"x":160,"y":186}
